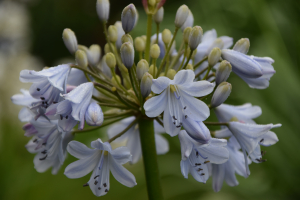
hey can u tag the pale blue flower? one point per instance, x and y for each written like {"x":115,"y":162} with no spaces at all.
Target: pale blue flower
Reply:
{"x":101,"y":160}
{"x":94,"y":114}
{"x":196,"y":130}
{"x":76,"y":77}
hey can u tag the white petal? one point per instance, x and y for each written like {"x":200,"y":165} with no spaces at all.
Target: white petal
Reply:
{"x":250,"y":130}
{"x":162,"y":145}
{"x":121,"y":155}
{"x":156,"y":105}
{"x":184,"y":76}
{"x":185,"y":165}
{"x":160,"y":84}
{"x":228,"y":41}
{"x":218,"y":175}
{"x":198,"y":89}
{"x":25,"y":115}
{"x":170,"y":128}
{"x":24,"y":99}
{"x":98,"y":144}
{"x":134,"y":145}
{"x":27,"y":77}
{"x":196,"y":130}
{"x":185,"y":144}
{"x":223,"y":133}
{"x":269,"y":139}
{"x":79,"y":150}
{"x":80,"y":93}
{"x":196,"y":109}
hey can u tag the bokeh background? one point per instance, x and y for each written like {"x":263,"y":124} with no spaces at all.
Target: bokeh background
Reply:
{"x":30,"y":38}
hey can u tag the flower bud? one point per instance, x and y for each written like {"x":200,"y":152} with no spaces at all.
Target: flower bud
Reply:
{"x":161,"y":74}
{"x":94,"y":115}
{"x":129,"y":18}
{"x":221,"y":94}
{"x":139,"y":44}
{"x":189,"y":21}
{"x":29,"y":130}
{"x":195,"y":37}
{"x":142,"y":68}
{"x":196,"y":130}
{"x":217,"y":43}
{"x":81,"y":58}
{"x":102,"y":7}
{"x":181,"y":15}
{"x":146,"y":84}
{"x":121,"y":32}
{"x":70,"y":40}
{"x":112,"y":33}
{"x":104,"y":68}
{"x":186,"y":34}
{"x":154,"y":51}
{"x":242,"y":45}
{"x":214,"y":56}
{"x":114,"y":81}
{"x":223,"y":72}
{"x":159,"y":15}
{"x":144,"y":37}
{"x":127,"y":38}
{"x":127,"y":54}
{"x":152,"y":69}
{"x":94,"y":54}
{"x":166,"y":36}
{"x":110,"y":60}
{"x":171,"y":73}
{"x":190,"y":66}
{"x":107,"y":48}
{"x":152,"y":2}
{"x":83,"y":48}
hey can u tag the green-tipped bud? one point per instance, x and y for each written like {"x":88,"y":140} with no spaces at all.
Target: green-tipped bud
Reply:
{"x":113,"y":33}
{"x":152,"y":70}
{"x":127,"y":38}
{"x":81,"y":58}
{"x":190,"y":66}
{"x":115,"y":82}
{"x":154,"y":51}
{"x":94,"y":54}
{"x":127,"y":83}
{"x":166,"y":36}
{"x":102,"y":7}
{"x":127,"y":54}
{"x":110,"y":60}
{"x":214,"y":56}
{"x":195,"y":37}
{"x":152,"y":3}
{"x":139,"y":44}
{"x":181,"y":15}
{"x":83,"y":48}
{"x":142,"y":68}
{"x":221,"y":94}
{"x":242,"y":45}
{"x":159,"y":15}
{"x":70,"y":40}
{"x":129,"y":17}
{"x":107,"y":48}
{"x":171,"y":73}
{"x":146,"y":84}
{"x":223,"y":72}
{"x":217,"y":43}
{"x":161,"y":74}
{"x":186,"y":34}
{"x":144,"y":37}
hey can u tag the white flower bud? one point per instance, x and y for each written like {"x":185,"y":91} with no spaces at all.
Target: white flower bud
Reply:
{"x":152,"y":2}
{"x":110,"y":60}
{"x":166,"y":36}
{"x":221,"y":94}
{"x":171,"y":73}
{"x":121,"y":32}
{"x":144,"y":37}
{"x":189,"y":21}
{"x":129,"y":18}
{"x":242,"y":45}
{"x":214,"y":56}
{"x":127,"y":54}
{"x":217,"y":43}
{"x":127,"y":38}
{"x":142,"y":68}
{"x":190,"y":66}
{"x":195,"y":37}
{"x":94,"y":54}
{"x":181,"y":15}
{"x":186,"y":34}
{"x":223,"y":72}
{"x":70,"y":40}
{"x":154,"y":51}
{"x":114,"y":81}
{"x":146,"y":84}
{"x":152,"y":70}
{"x":105,"y":69}
{"x":106,"y":48}
{"x":81,"y":58}
{"x":102,"y":7}
{"x":113,"y":33}
{"x":139,"y":44}
{"x":94,"y":115}
{"x":159,"y":15}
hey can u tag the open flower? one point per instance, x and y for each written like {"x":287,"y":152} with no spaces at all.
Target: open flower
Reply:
{"x":176,"y":100}
{"x":102,"y":159}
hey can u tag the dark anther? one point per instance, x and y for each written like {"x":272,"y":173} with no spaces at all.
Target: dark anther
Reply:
{"x":174,"y":123}
{"x":184,"y":107}
{"x":43,"y":98}
{"x":38,"y":89}
{"x":43,"y":158}
{"x":104,"y":184}
{"x":206,"y":161}
{"x":261,"y":140}
{"x":202,"y":174}
{"x":44,"y":143}
{"x":197,"y":164}
{"x":43,"y":102}
{"x":178,"y":126}
{"x":106,"y":190}
{"x":61,"y":117}
{"x":54,"y":102}
{"x":44,"y":152}
{"x":96,"y":182}
{"x":174,"y":118}
{"x":84,"y":185}
{"x":199,"y":169}
{"x":197,"y":154}
{"x":46,"y":102}
{"x":263,"y":153}
{"x":96,"y":176}
{"x":67,"y":117}
{"x":185,"y":116}
{"x":99,"y":188}
{"x":35,"y":140}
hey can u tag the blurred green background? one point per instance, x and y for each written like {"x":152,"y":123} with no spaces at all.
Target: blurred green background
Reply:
{"x":30,"y":38}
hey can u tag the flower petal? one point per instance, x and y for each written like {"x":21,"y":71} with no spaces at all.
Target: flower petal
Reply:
{"x":98,"y":144}
{"x":184,"y":76}
{"x":121,"y":155}
{"x":160,"y":84}
{"x":185,"y":165}
{"x":156,"y":105}
{"x":218,"y":175}
{"x":79,"y":150}
{"x":198,"y":89}
{"x":162,"y":145}
{"x":195,"y":108}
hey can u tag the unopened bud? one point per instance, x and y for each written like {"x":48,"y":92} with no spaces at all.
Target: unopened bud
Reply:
{"x":154,"y":51}
{"x":195,"y":37}
{"x":94,"y":54}
{"x":152,"y":2}
{"x":217,"y":43}
{"x":81,"y":58}
{"x":121,"y":32}
{"x":114,"y":81}
{"x":94,"y":114}
{"x":70,"y":40}
{"x":110,"y":60}
{"x":221,"y":94}
{"x":189,"y":21}
{"x":107,"y":48}
{"x":181,"y":15}
{"x":82,"y":47}
{"x":127,"y":38}
{"x":242,"y":45}
{"x":129,"y":18}
{"x":223,"y":72}
{"x":186,"y":34}
{"x":214,"y":56}
{"x":142,"y":68}
{"x":113,"y":33}
{"x":127,"y":83}
{"x":102,"y":7}
{"x":146,"y":84}
{"x":161,"y":74}
{"x":171,"y":73}
{"x":159,"y":15}
{"x":152,"y":70}
{"x":166,"y":36}
{"x":144,"y":37}
{"x":139,"y":44}
{"x":127,"y":54}
{"x":190,"y":66}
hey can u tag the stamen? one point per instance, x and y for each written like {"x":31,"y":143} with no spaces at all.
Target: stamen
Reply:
{"x":38,"y":89}
{"x":199,"y":169}
{"x":61,"y":117}
{"x":96,"y":176}
{"x":43,"y":157}
{"x":104,"y":184}
{"x":261,"y":140}
{"x":184,"y":107}
{"x":44,"y":152}
{"x":202,"y":174}
{"x":197,"y":164}
{"x":106,"y":190}
{"x":96,"y":182}
{"x":174,"y":117}
{"x":185,"y":116}
{"x":99,"y":188}
{"x":42,"y":98}
{"x":87,"y":184}
{"x":206,"y":161}
{"x":67,"y":117}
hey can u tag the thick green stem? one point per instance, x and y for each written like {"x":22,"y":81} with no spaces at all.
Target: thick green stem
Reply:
{"x":149,"y":30}
{"x":146,"y":128}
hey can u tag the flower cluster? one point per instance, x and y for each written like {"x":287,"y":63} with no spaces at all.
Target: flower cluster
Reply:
{"x":177,"y":88}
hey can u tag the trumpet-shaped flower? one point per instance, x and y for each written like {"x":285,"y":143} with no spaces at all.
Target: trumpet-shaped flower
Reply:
{"x":176,"y":100}
{"x":101,"y":160}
